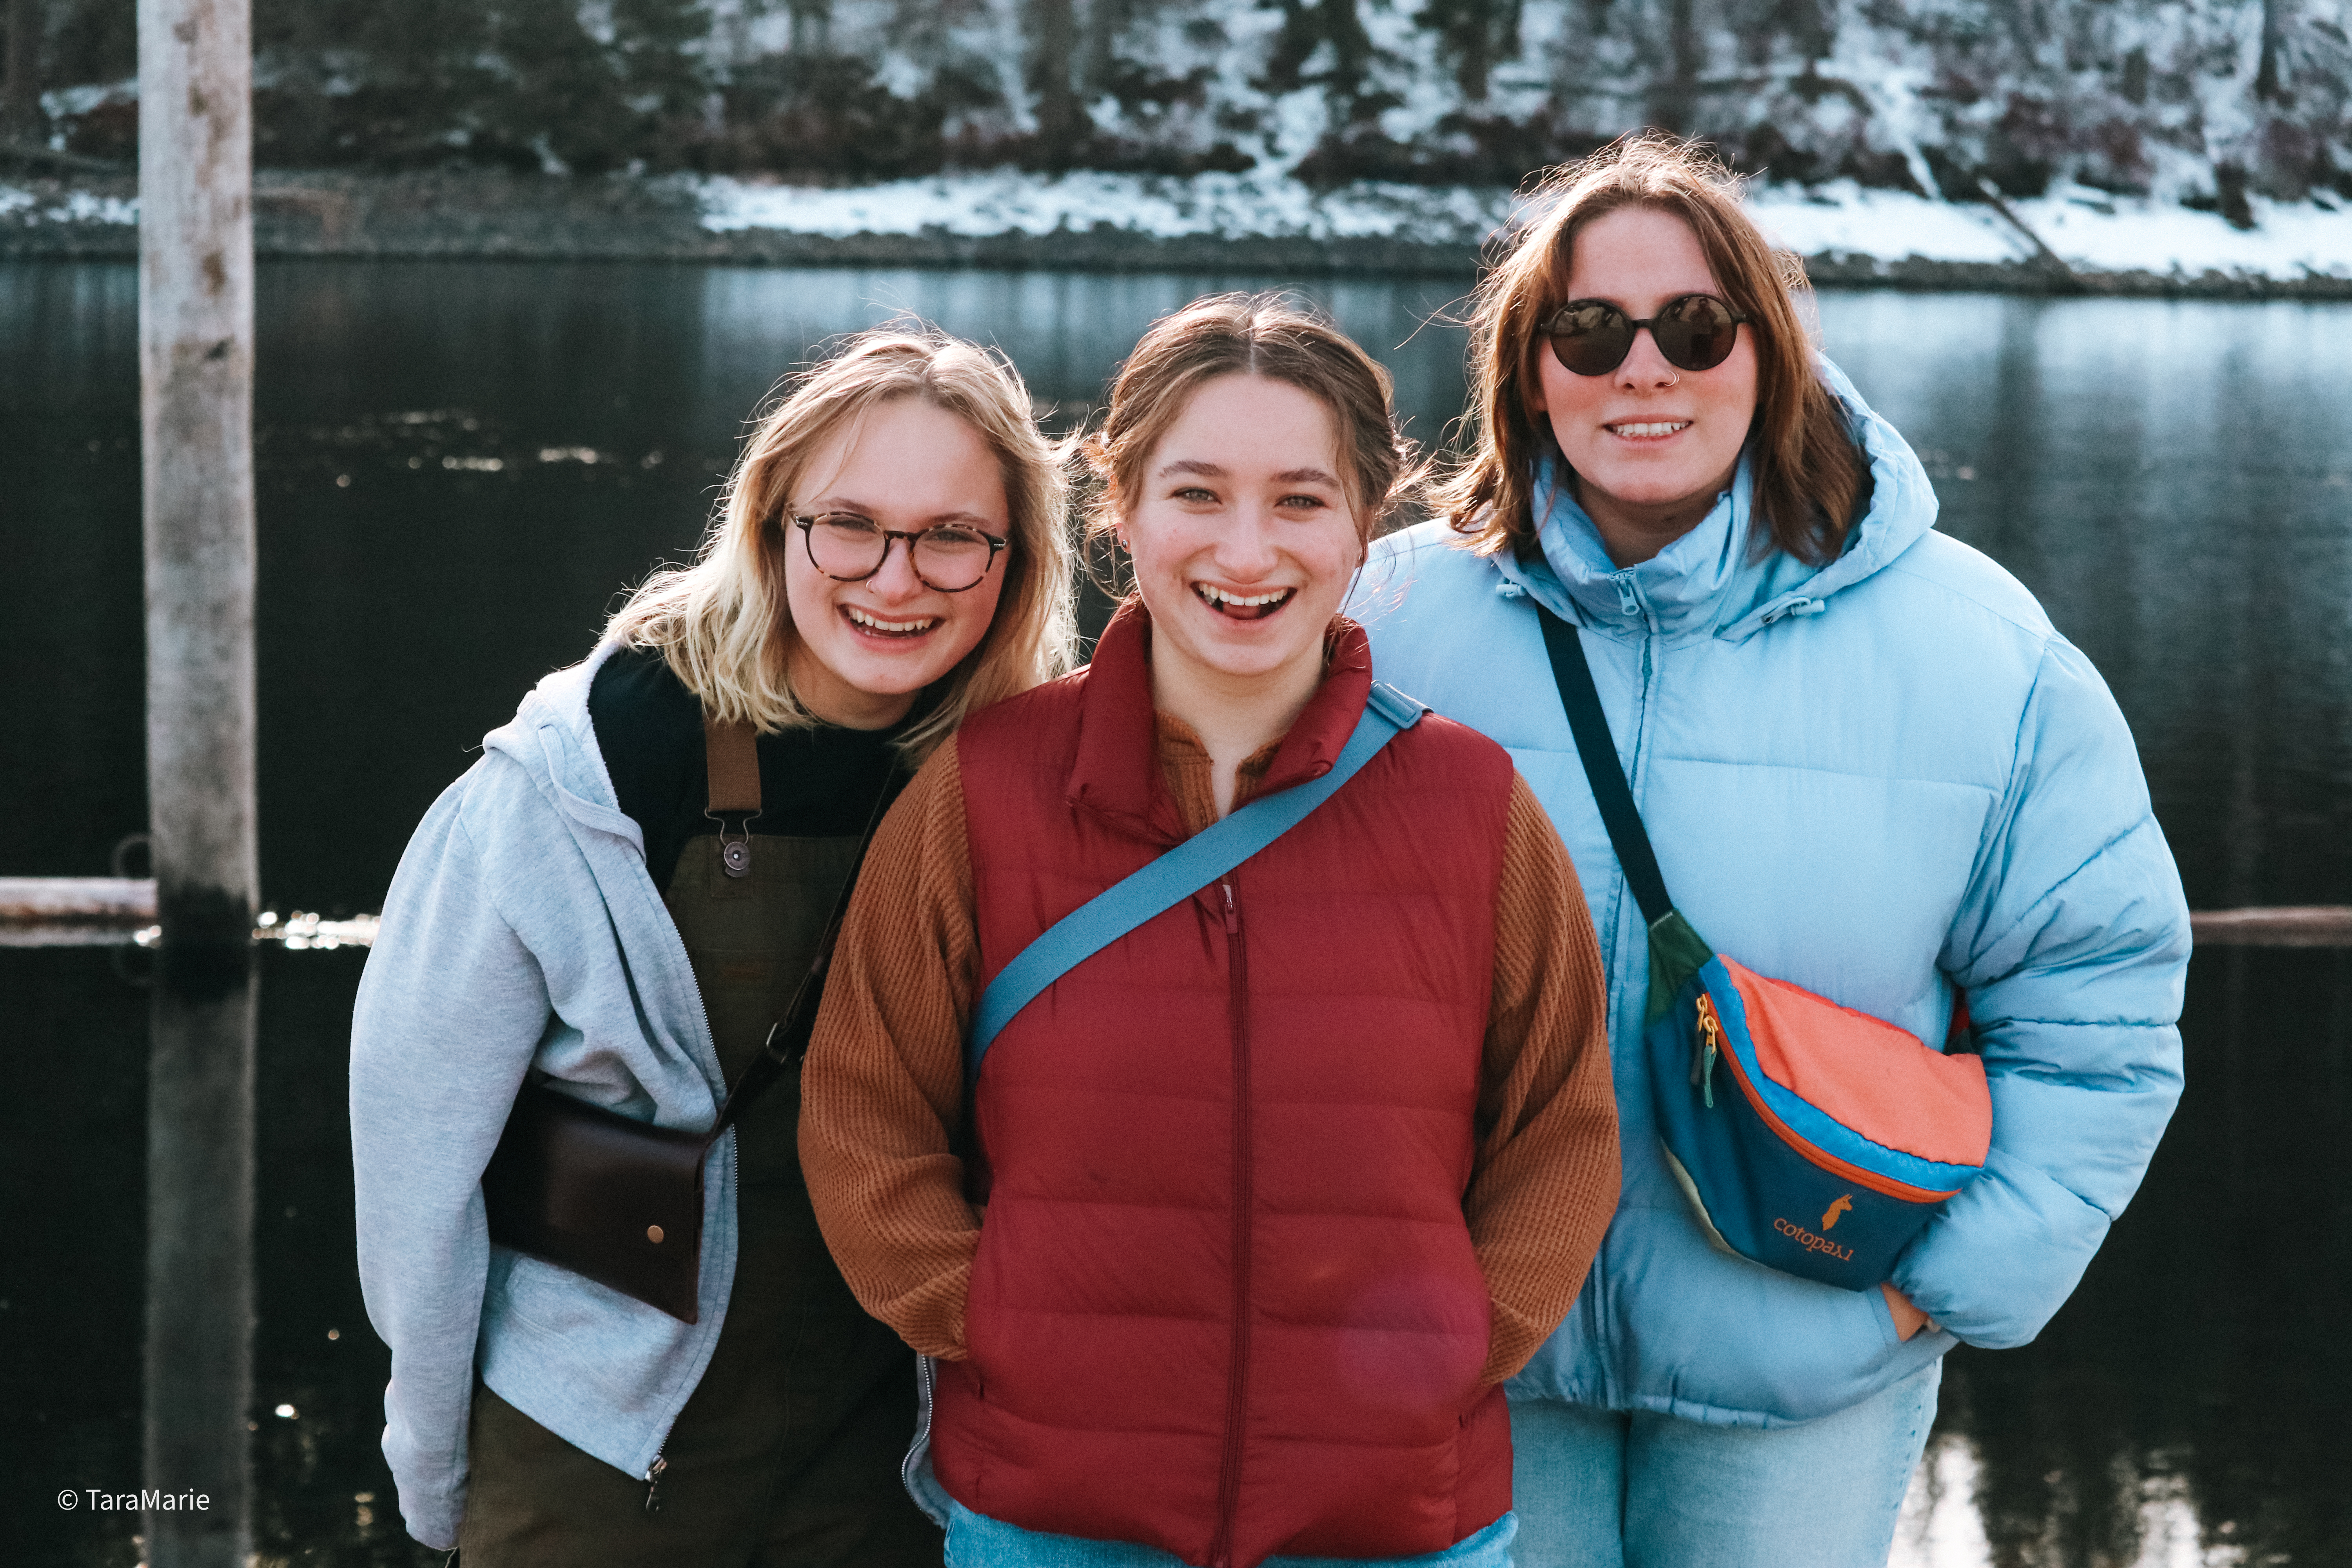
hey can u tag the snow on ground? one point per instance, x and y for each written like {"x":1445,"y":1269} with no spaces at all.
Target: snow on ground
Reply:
{"x":1887,"y":226}
{"x":76,"y":207}
{"x":2090,"y":229}
{"x":2104,"y":235}
{"x":1008,"y":202}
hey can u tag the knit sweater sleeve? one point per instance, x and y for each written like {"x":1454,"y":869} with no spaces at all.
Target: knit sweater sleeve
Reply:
{"x":882,"y":1090}
{"x":1544,"y":1181}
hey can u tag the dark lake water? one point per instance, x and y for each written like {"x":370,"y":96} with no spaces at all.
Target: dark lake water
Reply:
{"x":462,"y":466}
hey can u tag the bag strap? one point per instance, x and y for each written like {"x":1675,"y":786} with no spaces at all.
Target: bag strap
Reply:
{"x":1606,"y":774}
{"x":1176,"y":876}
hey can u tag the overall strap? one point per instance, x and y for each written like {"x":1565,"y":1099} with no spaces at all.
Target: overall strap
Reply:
{"x":1176,"y":876}
{"x":730,"y":750}
{"x":1601,"y":768}
{"x":733,"y":753}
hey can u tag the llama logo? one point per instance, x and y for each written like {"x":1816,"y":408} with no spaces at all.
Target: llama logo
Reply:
{"x":1831,"y":1215}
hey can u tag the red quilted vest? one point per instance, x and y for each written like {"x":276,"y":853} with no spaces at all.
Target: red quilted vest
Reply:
{"x":1225,"y":1303}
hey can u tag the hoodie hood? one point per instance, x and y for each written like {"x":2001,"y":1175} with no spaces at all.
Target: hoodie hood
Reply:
{"x":1709,"y":582}
{"x":553,"y":739}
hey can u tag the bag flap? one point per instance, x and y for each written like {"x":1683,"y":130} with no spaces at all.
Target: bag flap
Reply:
{"x":1865,"y":1074}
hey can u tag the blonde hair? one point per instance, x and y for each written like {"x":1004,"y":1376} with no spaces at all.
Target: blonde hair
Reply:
{"x":724,"y":624}
{"x":1249,"y":334}
{"x":1809,"y":480}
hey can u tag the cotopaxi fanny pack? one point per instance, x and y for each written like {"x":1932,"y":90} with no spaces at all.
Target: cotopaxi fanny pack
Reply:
{"x":1812,"y":1138}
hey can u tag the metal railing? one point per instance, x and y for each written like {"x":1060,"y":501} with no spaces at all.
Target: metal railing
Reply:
{"x":77,"y":911}
{"x":119,"y":911}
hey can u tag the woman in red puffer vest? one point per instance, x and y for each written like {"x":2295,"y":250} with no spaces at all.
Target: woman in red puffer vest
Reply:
{"x":1278,"y":1187}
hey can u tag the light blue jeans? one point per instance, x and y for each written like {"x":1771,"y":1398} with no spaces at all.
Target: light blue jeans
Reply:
{"x":1612,"y":1489}
{"x":976,"y":1540}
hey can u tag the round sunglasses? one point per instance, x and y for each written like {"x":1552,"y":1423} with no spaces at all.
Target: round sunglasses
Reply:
{"x":1592,"y":337}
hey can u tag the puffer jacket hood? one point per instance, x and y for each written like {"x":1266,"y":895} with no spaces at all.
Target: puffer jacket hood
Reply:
{"x":1712,"y":581}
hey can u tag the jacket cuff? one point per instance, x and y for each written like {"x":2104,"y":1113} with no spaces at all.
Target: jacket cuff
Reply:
{"x":1998,"y":1264}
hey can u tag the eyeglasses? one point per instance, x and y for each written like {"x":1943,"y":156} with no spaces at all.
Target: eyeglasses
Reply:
{"x":1592,"y":337}
{"x":848,"y":548}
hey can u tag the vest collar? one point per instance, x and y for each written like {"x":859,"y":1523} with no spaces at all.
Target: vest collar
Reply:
{"x":1117,"y":775}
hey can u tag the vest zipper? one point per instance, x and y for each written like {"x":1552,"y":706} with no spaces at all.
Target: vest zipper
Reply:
{"x":1229,"y":1478}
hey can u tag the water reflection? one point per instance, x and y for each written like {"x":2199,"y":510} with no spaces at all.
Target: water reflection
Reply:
{"x":2175,"y":481}
{"x":462,"y":466}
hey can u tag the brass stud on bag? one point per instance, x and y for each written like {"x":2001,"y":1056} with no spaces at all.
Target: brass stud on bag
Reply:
{"x":654,"y":1234}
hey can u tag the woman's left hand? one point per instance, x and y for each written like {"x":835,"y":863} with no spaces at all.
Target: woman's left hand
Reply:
{"x":1908,"y":1319}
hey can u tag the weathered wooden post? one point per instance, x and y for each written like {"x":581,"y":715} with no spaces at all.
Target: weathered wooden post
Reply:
{"x":195,"y":361}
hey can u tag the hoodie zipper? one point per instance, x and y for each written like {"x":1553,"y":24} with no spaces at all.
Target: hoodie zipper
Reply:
{"x":653,"y":1480}
{"x":1229,"y":1476}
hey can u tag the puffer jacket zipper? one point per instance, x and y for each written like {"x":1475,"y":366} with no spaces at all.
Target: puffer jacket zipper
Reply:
{"x":1229,"y":1476}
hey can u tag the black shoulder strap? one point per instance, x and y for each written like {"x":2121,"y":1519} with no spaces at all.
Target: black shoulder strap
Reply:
{"x":1601,"y":768}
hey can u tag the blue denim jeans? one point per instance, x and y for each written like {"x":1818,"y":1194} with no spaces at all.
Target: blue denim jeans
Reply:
{"x":976,"y":1540}
{"x":1613,"y":1488}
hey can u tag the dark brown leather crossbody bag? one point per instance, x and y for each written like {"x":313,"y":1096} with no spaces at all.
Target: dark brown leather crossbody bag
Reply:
{"x":619,"y":1201}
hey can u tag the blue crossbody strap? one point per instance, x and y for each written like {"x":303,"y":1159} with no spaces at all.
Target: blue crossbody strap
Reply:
{"x":1176,"y":876}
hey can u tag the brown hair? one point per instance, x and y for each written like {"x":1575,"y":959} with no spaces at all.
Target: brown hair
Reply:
{"x":725,"y":625}
{"x":1810,"y":479}
{"x":1249,"y":334}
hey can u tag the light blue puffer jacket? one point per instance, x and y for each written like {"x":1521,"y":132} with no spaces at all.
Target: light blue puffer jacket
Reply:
{"x":1879,"y":780}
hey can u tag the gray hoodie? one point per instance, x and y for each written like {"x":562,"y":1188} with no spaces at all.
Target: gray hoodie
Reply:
{"x":522,"y":931}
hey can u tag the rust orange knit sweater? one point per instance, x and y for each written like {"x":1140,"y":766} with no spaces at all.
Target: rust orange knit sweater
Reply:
{"x":883,"y":1086}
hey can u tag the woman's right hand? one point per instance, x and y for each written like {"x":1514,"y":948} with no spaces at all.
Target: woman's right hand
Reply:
{"x":1908,"y":1319}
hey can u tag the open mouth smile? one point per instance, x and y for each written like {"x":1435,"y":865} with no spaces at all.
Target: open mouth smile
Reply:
{"x":1244,"y":606}
{"x":1647,"y":430}
{"x":870,"y":625}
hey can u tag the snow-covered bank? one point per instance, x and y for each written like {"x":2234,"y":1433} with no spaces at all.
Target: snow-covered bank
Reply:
{"x":2090,"y":230}
{"x":1220,"y":206}
{"x":2093,"y":232}
{"x":1231,"y":223}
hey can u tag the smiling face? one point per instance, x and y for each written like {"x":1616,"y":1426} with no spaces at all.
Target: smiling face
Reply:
{"x":1243,"y":537}
{"x":1651,"y":444}
{"x":866,"y":648}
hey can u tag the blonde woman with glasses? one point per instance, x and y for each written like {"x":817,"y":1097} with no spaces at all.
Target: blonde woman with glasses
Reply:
{"x":617,"y":904}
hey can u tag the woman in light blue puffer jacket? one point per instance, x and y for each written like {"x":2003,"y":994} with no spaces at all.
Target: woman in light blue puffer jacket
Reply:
{"x":1870,"y":768}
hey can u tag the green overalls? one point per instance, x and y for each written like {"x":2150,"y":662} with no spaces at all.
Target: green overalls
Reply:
{"x":787,"y":1455}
